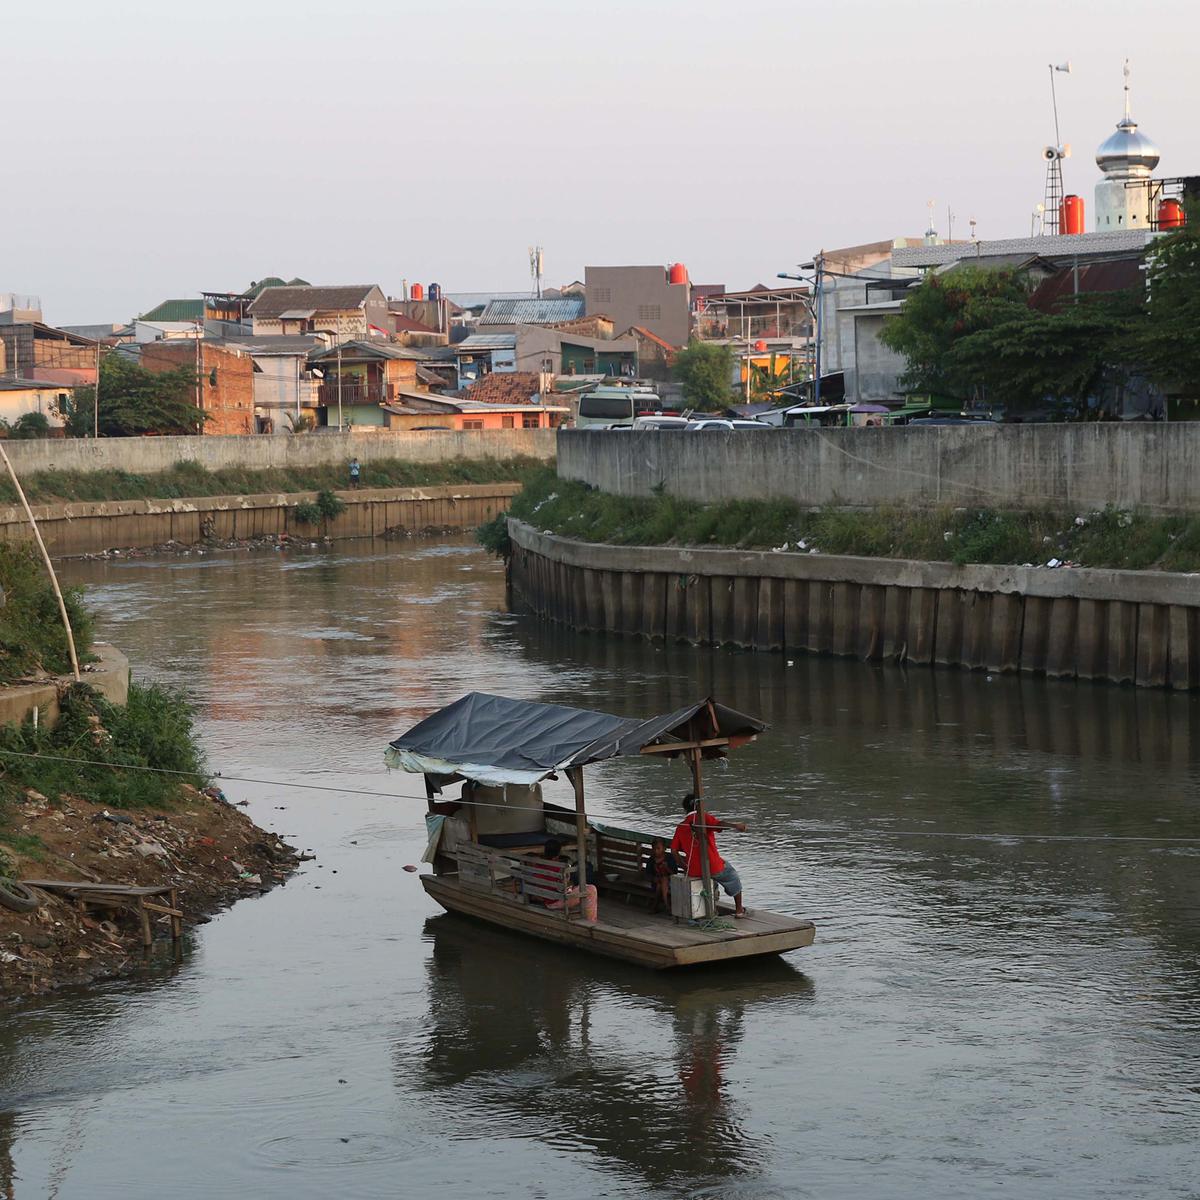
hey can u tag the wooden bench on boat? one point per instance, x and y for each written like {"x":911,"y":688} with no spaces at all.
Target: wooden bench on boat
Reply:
{"x":621,"y":860}
{"x":161,"y":900}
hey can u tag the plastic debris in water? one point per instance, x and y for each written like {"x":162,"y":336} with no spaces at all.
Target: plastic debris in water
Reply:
{"x":410,"y":867}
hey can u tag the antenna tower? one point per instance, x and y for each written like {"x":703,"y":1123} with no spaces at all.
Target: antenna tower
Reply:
{"x":535,"y":269}
{"x":1054,"y":156}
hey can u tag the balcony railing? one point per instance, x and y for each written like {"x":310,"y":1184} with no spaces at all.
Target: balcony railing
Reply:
{"x":353,"y":393}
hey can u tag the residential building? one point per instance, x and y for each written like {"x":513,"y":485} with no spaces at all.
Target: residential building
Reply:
{"x":655,"y":356}
{"x":358,"y":377}
{"x":444,"y":412}
{"x":562,"y":351}
{"x":175,"y":311}
{"x":344,"y":312}
{"x":284,"y":387}
{"x":18,"y":309}
{"x":481,"y":354}
{"x":513,"y":387}
{"x":20,"y":396}
{"x":644,"y":296}
{"x":225,"y":380}
{"x":47,"y":355}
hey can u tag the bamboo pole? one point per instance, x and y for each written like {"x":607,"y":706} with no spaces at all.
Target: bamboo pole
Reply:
{"x":37,"y":533}
{"x":700,"y":830}
{"x":576,"y":777}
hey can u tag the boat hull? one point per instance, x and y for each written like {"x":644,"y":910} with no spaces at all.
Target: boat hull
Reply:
{"x":624,"y":933}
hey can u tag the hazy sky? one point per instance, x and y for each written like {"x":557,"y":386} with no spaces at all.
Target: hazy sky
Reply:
{"x":153,"y":149}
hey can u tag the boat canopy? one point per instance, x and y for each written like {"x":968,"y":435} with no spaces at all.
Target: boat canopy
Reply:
{"x":494,"y":740}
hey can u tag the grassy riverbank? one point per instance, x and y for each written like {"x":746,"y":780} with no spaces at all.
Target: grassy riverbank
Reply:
{"x":190,"y":479}
{"x":1110,"y":538}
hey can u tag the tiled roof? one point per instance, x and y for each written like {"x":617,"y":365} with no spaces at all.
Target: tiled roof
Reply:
{"x":361,"y":351}
{"x":507,"y":387}
{"x":642,"y":332}
{"x":275,"y":300}
{"x":175,"y":310}
{"x":532,"y":312}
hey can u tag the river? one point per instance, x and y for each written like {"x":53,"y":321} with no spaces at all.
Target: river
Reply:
{"x":1003,"y":999}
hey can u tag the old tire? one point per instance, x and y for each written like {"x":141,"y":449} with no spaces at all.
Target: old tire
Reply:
{"x":17,"y":897}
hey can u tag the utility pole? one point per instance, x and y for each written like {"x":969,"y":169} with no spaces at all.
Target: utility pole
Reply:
{"x":96,"y":395}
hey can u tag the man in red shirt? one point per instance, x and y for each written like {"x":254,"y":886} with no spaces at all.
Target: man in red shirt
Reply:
{"x":684,"y":844}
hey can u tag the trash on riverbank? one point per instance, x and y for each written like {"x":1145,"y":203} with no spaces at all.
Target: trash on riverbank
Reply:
{"x":203,"y":846}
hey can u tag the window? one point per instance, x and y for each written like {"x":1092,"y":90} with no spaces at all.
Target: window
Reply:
{"x":602,"y":295}
{"x":649,"y":312}
{"x":472,"y":424}
{"x":506,"y":422}
{"x":530,"y":420}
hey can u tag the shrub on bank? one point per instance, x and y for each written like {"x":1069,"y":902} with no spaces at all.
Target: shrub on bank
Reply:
{"x":85,"y":752}
{"x":32,"y":639}
{"x":1109,"y":538}
{"x":189,"y":479}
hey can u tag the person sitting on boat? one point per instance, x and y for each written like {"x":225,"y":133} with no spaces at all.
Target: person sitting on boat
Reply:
{"x":660,"y":866}
{"x":552,"y":852}
{"x":720,"y":871}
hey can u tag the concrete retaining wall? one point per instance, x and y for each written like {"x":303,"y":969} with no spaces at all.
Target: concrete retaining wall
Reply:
{"x":1137,"y":627}
{"x":1154,"y":467}
{"x":88,"y":528}
{"x":109,"y":675}
{"x":148,"y":454}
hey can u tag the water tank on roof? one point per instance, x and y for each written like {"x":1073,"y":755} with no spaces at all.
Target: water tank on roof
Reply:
{"x":678,"y":273}
{"x":1171,"y":214}
{"x":760,"y":346}
{"x":435,"y":291}
{"x":1071,"y":215}
{"x":418,"y":292}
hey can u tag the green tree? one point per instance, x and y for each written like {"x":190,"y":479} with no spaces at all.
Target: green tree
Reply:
{"x":941,"y":310}
{"x":135,"y":401}
{"x":1029,"y":357}
{"x":1169,"y":343}
{"x":705,"y":369}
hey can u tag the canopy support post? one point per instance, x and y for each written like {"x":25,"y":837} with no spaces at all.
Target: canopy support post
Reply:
{"x":700,"y":831}
{"x":575,"y":774}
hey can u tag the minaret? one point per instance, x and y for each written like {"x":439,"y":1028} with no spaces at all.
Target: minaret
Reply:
{"x":1126,"y":159}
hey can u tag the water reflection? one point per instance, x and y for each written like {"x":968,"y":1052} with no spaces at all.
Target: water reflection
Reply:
{"x":639,"y":1068}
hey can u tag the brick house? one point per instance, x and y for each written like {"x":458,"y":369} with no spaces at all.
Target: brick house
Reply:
{"x":226,"y":380}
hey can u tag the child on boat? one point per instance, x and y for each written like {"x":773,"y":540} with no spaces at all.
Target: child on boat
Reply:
{"x":660,"y":866}
{"x":552,"y":851}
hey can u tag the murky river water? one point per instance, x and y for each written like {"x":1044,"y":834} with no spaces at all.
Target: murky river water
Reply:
{"x":1004,"y":998}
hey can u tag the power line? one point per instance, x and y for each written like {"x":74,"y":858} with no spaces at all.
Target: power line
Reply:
{"x":829,"y":830}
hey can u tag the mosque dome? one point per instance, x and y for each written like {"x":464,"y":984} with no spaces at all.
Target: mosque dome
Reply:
{"x":1127,"y":150}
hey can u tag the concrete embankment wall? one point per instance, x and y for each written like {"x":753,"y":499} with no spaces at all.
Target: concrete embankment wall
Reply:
{"x":1154,"y":467}
{"x":1137,"y":627}
{"x":87,"y":528}
{"x":148,"y":454}
{"x":109,"y":675}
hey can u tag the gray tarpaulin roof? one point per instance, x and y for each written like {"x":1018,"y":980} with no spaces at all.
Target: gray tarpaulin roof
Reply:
{"x":495,"y":740}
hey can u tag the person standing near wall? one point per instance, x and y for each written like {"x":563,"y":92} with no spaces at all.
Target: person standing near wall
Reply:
{"x":355,"y":471}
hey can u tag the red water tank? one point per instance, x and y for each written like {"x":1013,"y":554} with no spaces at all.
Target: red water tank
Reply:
{"x":760,"y":346}
{"x":1171,"y":215}
{"x":678,"y":273}
{"x":1070,"y":218}
{"x":417,"y":292}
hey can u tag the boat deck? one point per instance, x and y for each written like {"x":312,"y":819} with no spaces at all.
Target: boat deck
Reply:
{"x":628,"y":932}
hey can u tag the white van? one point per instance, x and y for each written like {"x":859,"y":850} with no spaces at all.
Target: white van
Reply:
{"x":610,"y":404}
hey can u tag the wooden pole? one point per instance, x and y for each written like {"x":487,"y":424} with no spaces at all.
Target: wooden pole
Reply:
{"x":699,"y":830}
{"x":37,"y":533}
{"x":576,"y":777}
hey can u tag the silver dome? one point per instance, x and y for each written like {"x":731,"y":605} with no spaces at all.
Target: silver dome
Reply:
{"x":1127,"y":150}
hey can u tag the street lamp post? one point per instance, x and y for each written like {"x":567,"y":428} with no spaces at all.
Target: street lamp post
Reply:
{"x":817,"y":265}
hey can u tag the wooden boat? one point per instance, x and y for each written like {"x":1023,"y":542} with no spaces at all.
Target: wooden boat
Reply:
{"x":487,"y":846}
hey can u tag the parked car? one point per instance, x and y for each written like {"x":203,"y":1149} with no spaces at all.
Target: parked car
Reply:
{"x":660,"y":423}
{"x":726,"y":423}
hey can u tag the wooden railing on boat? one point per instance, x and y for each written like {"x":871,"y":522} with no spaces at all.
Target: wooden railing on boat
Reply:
{"x":529,"y":878}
